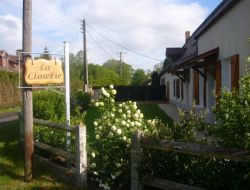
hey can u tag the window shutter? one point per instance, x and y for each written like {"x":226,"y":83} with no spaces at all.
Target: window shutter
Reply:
{"x":196,"y":87}
{"x":182,"y":92}
{"x":235,"y":72}
{"x":218,"y":79}
{"x":174,"y":88}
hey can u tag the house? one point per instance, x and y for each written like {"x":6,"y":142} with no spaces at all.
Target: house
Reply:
{"x":8,"y":62}
{"x":4,"y":62}
{"x":213,"y":57}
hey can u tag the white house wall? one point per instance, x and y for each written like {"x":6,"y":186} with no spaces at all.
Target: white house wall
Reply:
{"x":184,"y":104}
{"x":230,"y":34}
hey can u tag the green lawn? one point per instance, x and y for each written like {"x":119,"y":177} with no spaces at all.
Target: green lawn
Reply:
{"x":12,"y":164}
{"x":152,"y":111}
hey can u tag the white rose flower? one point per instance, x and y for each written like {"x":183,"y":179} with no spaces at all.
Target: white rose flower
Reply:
{"x":95,"y":173}
{"x":93,"y":165}
{"x":128,"y":112}
{"x":111,"y":86}
{"x":136,"y":115}
{"x":137,"y":123}
{"x":123,"y":122}
{"x":112,"y":100}
{"x":93,"y":155}
{"x":124,"y":116}
{"x":120,"y":105}
{"x":113,"y":92}
{"x":127,"y":125}
{"x":95,"y":123}
{"x":118,"y":165}
{"x":132,"y":123}
{"x":113,"y":128}
{"x":141,"y":115}
{"x":124,"y":138}
{"x":138,"y":111}
{"x":101,"y":103}
{"x":97,"y":137}
{"x":96,"y":104}
{"x":119,"y":131}
{"x":129,"y":115}
{"x":120,"y":111}
{"x":110,"y":134}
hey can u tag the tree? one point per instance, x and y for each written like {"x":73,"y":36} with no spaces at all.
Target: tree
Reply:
{"x":166,"y":62}
{"x":123,"y":68}
{"x":139,"y":77}
{"x":45,"y":54}
{"x":155,"y":77}
{"x":103,"y":76}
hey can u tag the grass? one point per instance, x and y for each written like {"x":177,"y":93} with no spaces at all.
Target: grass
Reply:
{"x":12,"y":165}
{"x":152,"y":111}
{"x":7,"y":110}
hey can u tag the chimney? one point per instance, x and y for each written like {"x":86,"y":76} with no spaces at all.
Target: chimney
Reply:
{"x":187,"y":35}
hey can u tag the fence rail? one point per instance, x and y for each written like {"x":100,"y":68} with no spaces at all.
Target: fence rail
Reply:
{"x":76,"y":174}
{"x":139,"y":140}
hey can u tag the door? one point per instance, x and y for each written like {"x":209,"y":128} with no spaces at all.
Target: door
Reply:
{"x":167,"y":92}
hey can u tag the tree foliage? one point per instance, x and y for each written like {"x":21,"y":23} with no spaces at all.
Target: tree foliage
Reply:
{"x":45,"y":54}
{"x":124,"y":70}
{"x":139,"y":77}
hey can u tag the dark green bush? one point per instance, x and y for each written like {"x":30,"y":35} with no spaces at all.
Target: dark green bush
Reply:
{"x":80,"y":99}
{"x":49,"y":105}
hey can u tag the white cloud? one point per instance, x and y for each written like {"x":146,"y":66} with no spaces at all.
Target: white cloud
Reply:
{"x":10,"y":32}
{"x":145,"y":26}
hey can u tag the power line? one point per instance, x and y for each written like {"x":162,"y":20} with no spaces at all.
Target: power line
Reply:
{"x":122,"y":46}
{"x":99,"y":45}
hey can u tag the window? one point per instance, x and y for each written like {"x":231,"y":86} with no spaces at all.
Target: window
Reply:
{"x":178,"y":88}
{"x":235,"y":72}
{"x":163,"y":81}
{"x":196,"y":87}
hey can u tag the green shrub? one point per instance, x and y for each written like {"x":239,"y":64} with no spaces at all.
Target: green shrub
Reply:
{"x":232,"y":113}
{"x":49,"y":105}
{"x":80,"y":99}
{"x":110,"y":152}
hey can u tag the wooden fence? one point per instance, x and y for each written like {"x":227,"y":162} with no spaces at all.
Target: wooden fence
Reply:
{"x":139,"y":141}
{"x":76,"y":170}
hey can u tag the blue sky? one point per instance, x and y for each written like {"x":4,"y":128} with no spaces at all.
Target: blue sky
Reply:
{"x":144,"y":26}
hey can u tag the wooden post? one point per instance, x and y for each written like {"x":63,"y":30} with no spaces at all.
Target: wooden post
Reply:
{"x":27,"y":92}
{"x":81,"y":156}
{"x":85,"y":63}
{"x":135,"y":160}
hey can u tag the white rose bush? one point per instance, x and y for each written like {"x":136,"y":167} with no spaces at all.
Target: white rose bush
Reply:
{"x":109,"y":155}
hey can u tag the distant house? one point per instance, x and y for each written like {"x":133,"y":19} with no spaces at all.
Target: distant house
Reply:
{"x":4,"y":59}
{"x":212,"y":57}
{"x":8,"y":62}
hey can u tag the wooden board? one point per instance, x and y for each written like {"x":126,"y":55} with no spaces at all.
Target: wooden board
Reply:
{"x":42,"y":71}
{"x":169,"y":185}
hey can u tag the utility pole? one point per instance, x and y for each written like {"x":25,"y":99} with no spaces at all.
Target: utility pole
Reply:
{"x":85,"y":64}
{"x":27,"y":92}
{"x":120,"y":55}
